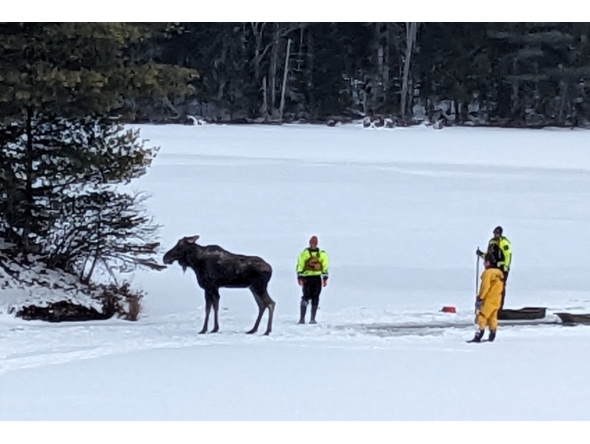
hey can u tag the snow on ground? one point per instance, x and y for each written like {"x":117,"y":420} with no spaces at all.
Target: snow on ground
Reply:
{"x":400,"y":213}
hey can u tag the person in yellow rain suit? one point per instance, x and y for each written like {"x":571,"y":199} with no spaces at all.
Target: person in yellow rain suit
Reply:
{"x":312,"y":275}
{"x":489,"y":299}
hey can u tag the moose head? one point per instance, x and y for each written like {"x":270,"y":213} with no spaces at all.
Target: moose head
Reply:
{"x":180,"y":250}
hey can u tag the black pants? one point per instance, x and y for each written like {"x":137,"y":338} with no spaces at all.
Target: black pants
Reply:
{"x":312,"y":287}
{"x":504,"y":289}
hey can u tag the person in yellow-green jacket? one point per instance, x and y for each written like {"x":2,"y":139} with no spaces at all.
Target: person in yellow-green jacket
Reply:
{"x":500,"y":250}
{"x":489,"y":299}
{"x":312,"y":276}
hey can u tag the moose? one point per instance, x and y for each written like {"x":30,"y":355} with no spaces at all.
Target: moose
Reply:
{"x":216,"y":268}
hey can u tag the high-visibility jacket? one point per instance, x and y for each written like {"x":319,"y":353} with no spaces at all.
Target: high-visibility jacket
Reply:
{"x":501,"y":250}
{"x":313,"y":263}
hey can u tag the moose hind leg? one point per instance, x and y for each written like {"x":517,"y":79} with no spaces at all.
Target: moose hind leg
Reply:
{"x":260,"y":312}
{"x":259,"y":293}
{"x":268,"y":302}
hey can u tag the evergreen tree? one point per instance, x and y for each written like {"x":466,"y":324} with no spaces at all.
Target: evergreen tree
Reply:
{"x":80,"y":69}
{"x":57,"y":80}
{"x":75,"y":165}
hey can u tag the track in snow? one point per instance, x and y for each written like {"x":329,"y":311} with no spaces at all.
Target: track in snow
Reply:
{"x":25,"y":344}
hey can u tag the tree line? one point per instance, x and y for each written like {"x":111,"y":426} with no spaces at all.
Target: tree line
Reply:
{"x":506,"y":74}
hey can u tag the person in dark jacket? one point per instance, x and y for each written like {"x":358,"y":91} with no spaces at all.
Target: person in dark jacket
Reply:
{"x":500,"y":251}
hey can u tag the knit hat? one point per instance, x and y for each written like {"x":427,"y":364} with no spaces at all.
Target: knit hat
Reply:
{"x":498,"y":230}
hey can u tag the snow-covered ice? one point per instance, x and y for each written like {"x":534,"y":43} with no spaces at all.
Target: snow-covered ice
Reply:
{"x":400,"y":213}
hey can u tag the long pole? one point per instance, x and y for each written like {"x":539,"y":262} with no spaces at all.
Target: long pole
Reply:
{"x":476,"y":281}
{"x":477,"y":276}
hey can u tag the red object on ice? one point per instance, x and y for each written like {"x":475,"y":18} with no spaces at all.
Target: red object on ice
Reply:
{"x":449,"y":310}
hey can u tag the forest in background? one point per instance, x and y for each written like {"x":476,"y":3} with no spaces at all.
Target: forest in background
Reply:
{"x":503,"y":74}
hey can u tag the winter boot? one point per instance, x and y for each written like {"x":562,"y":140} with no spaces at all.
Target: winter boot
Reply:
{"x":302,"y":313}
{"x":492,"y":336}
{"x":478,"y":336}
{"x":314,"y":310}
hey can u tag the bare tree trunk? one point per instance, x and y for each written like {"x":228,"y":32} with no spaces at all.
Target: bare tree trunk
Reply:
{"x":86,"y":280}
{"x":310,"y":76}
{"x":258,"y":32}
{"x":29,"y":182}
{"x":380,"y":86}
{"x":564,"y":86}
{"x":258,"y":38}
{"x":273,"y":72}
{"x":222,"y":80}
{"x":285,"y":74}
{"x":83,"y":267}
{"x":515,"y":88}
{"x":411,"y":28}
{"x":96,"y":255}
{"x":377,"y":90}
{"x":259,"y":53}
{"x":386,"y":61}
{"x":264,"y":107}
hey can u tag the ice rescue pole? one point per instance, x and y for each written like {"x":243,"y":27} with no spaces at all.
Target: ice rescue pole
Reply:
{"x":476,"y":283}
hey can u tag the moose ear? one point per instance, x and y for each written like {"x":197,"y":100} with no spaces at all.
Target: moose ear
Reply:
{"x":192,"y":239}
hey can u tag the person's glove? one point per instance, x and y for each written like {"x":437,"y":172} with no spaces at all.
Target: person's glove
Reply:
{"x":325,"y":281}
{"x":477,"y":303}
{"x":479,"y":252}
{"x":300,"y":282}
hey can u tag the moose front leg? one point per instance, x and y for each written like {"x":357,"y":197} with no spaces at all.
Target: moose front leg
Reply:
{"x":207,"y":311}
{"x":215,"y":302}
